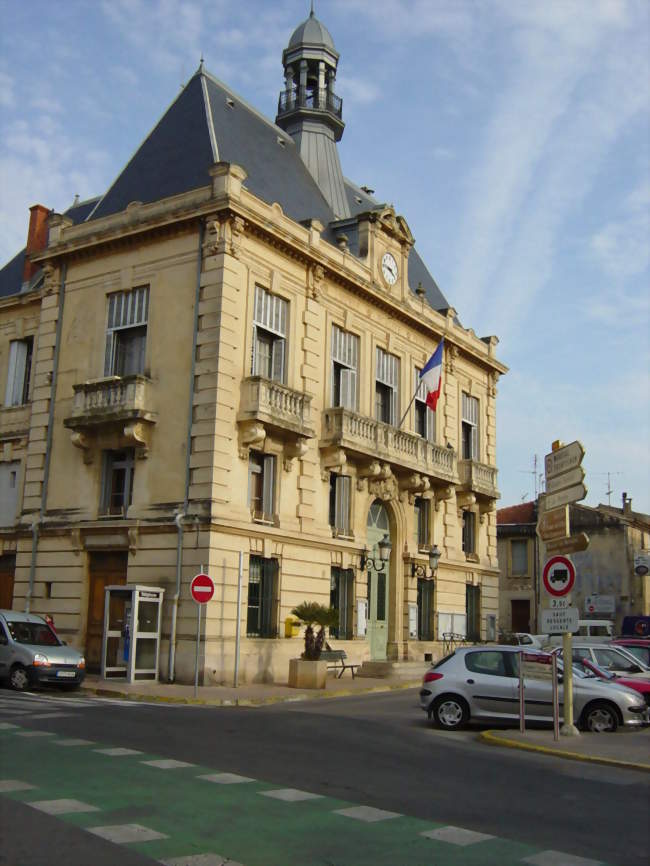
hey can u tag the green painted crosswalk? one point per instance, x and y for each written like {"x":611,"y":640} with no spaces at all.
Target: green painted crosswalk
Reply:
{"x":173,"y":811}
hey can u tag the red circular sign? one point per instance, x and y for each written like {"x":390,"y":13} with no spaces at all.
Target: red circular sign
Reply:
{"x":202,"y":588}
{"x":559,"y":576}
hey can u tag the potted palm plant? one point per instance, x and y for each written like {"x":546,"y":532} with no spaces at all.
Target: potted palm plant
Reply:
{"x":308,"y":671}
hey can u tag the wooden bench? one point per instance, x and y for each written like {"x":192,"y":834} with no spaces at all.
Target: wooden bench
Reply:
{"x":338,"y":659}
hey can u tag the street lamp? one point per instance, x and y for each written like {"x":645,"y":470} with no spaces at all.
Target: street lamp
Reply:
{"x":421,"y":570}
{"x":368,"y":562}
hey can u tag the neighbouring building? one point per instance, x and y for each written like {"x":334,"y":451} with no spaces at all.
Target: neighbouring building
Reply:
{"x":518,"y":567}
{"x":606,"y":585}
{"x":208,"y":364}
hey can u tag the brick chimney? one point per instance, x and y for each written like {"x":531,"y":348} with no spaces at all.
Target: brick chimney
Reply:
{"x":36,"y":238}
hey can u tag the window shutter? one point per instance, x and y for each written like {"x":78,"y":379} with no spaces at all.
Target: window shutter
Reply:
{"x":254,"y":353}
{"x":277,"y":360}
{"x":342,"y":515}
{"x":475,"y":451}
{"x":268,"y":479}
{"x":269,"y":575}
{"x":16,"y":373}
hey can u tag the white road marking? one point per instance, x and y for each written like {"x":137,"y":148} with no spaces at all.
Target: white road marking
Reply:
{"x":367,"y":813}
{"x":62,"y":807}
{"x":290,"y":795}
{"x":122,"y":834}
{"x":456,"y":836}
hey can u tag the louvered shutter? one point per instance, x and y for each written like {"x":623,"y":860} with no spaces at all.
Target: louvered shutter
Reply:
{"x":342,"y":507}
{"x":16,"y":373}
{"x":268,"y":484}
{"x":470,"y":408}
{"x":269,"y":579}
{"x":277,"y":360}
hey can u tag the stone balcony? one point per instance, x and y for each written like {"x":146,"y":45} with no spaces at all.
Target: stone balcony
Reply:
{"x":115,"y":404}
{"x":478,"y":478}
{"x":269,"y":407}
{"x":364,"y":438}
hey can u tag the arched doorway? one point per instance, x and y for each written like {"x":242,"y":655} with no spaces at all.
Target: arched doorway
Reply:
{"x":378,"y":583}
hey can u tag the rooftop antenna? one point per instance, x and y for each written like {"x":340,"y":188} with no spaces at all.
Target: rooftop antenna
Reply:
{"x":537,"y":476}
{"x":610,"y":489}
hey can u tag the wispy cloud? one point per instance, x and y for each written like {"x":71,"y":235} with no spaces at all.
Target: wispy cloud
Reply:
{"x":622,"y":245}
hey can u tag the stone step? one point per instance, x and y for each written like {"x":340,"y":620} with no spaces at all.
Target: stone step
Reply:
{"x":403,"y":670}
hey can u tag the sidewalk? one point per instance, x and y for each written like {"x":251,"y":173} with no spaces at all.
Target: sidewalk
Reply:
{"x":246,"y":695}
{"x":627,"y":749}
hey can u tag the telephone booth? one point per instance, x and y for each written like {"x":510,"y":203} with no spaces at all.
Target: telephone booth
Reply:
{"x":131,"y":637}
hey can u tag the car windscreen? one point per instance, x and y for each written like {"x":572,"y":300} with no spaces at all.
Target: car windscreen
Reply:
{"x":34,"y":633}
{"x":642,"y":653}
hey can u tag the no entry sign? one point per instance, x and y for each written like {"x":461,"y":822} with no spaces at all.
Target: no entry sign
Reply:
{"x":202,"y":588}
{"x":558,"y":576}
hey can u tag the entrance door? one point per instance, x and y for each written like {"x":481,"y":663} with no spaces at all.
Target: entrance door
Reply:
{"x":520,"y":611}
{"x":7,"y":571}
{"x":106,"y":569}
{"x":378,"y":583}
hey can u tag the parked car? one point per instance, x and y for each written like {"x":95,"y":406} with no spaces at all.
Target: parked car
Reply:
{"x":537,"y":641}
{"x":639,"y":685}
{"x":636,"y":647}
{"x":615,"y":659}
{"x":32,"y":653}
{"x":589,"y":630}
{"x":481,"y":683}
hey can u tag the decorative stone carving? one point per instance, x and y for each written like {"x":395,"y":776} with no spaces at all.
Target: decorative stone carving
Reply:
{"x":251,"y":435}
{"x":451,"y":355}
{"x":442,"y":494}
{"x":332,"y":459}
{"x":464,"y":500}
{"x":493,"y":378}
{"x":486,"y":507}
{"x":235,"y":227}
{"x":315,"y":279}
{"x":80,"y":440}
{"x":137,"y":436}
{"x":49,"y":281}
{"x":413,"y":485}
{"x":386,"y":488}
{"x":294,"y":451}
{"x":211,"y":240}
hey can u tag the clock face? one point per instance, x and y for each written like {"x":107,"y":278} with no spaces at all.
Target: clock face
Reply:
{"x":389,"y":268}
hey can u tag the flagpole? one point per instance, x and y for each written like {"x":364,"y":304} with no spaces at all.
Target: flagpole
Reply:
{"x":408,"y":407}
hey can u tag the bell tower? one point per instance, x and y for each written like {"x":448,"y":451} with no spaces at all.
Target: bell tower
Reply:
{"x":309,"y":109}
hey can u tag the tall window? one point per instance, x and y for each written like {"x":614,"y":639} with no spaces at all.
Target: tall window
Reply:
{"x":261,"y":482}
{"x":473,"y":612}
{"x":19,"y":373}
{"x":470,"y":427}
{"x":126,"y":332}
{"x":117,"y":484}
{"x":270,"y":322}
{"x":340,"y":486}
{"x":422,"y":515}
{"x":345,"y":366}
{"x":469,"y":532}
{"x":519,"y":557}
{"x":425,"y":609}
{"x":342,"y":600}
{"x":425,"y":418}
{"x":262,"y":597}
{"x":387,"y":388}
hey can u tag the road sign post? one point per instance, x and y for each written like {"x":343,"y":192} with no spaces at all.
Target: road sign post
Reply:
{"x":202,"y":590}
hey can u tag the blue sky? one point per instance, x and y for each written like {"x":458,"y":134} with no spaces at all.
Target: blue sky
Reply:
{"x":513,"y":135}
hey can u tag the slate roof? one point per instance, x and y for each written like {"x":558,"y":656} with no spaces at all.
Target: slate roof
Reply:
{"x":311,"y":32}
{"x":206,"y":123}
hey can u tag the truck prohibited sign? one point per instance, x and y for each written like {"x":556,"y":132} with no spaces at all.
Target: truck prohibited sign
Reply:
{"x":558,"y":576}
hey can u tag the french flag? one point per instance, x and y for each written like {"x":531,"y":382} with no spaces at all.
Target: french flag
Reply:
{"x":431,"y":375}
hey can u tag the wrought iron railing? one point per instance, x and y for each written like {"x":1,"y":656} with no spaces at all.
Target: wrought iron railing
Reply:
{"x":320,"y":99}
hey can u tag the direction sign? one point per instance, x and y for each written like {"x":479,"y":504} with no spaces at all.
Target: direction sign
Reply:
{"x":564,"y":497}
{"x":202,"y":588}
{"x":565,"y":458}
{"x":567,"y":479}
{"x":558,"y":576}
{"x":569,"y":544}
{"x":554,"y":524}
{"x":560,"y":620}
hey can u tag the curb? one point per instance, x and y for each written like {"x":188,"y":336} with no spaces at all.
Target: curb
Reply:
{"x":245,"y":702}
{"x":492,"y":738}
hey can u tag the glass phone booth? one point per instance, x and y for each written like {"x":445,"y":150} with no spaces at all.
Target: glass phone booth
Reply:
{"x":131,"y":637}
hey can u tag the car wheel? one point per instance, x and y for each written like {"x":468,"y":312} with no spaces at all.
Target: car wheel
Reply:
{"x":600,"y":717}
{"x":450,"y":712}
{"x":18,"y":679}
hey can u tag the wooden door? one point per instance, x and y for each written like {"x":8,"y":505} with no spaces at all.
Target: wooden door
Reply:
{"x":106,"y":569}
{"x":378,"y":584}
{"x":520,"y":608}
{"x":7,"y":572}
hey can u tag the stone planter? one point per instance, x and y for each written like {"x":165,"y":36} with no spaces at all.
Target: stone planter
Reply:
{"x":305,"y":674}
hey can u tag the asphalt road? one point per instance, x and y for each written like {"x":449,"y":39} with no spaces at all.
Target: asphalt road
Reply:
{"x":374,"y":750}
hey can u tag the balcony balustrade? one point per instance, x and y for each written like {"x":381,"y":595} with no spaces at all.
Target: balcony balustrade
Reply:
{"x":478,"y":478}
{"x":275,"y":406}
{"x":366,"y":437}
{"x":113,"y":399}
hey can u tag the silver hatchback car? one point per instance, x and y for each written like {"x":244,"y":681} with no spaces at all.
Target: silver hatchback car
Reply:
{"x":482,"y":683}
{"x":32,"y":653}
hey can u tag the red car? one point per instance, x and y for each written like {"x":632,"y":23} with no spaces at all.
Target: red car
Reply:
{"x":635,"y":645}
{"x":641,"y":686}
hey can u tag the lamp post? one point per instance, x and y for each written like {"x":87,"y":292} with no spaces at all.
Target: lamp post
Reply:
{"x":367,"y":562}
{"x":421,"y":570}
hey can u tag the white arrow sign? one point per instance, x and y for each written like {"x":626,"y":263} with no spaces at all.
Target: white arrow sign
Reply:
{"x":567,"y":479}
{"x":564,"y":497}
{"x":565,"y":458}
